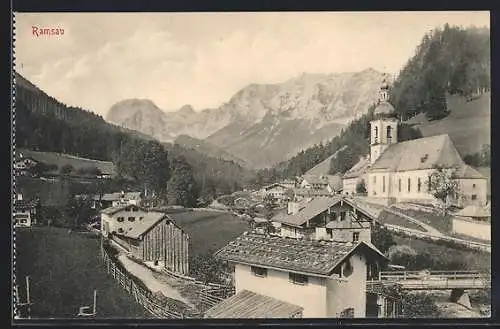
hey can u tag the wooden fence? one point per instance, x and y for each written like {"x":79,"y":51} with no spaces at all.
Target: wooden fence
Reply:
{"x":210,"y":296}
{"x":418,"y":234}
{"x":210,"y":293}
{"x":157,"y":307}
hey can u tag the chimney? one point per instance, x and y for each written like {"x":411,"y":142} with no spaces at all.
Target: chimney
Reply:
{"x":293,"y":208}
{"x":19,"y":197}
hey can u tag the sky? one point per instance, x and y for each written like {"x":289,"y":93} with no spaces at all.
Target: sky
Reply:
{"x":203,"y":59}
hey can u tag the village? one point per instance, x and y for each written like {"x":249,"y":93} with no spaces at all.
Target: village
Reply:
{"x":309,"y":246}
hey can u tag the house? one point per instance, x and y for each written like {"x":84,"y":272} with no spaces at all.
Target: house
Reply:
{"x":354,"y":176}
{"x":23,"y":166}
{"x":112,"y":199}
{"x":288,"y":183}
{"x":148,"y":236}
{"x":401,"y":172}
{"x":278,"y":193}
{"x":282,"y":277}
{"x":331,"y":183}
{"x":302,"y":193}
{"x":331,"y":218}
{"x":25,"y":212}
{"x":473,"y":221}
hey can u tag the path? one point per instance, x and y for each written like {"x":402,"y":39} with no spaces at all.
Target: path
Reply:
{"x":147,"y":276}
{"x":430,"y":230}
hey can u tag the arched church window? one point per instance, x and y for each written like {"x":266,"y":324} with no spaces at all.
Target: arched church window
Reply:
{"x":389,"y":132}
{"x":376,"y":134}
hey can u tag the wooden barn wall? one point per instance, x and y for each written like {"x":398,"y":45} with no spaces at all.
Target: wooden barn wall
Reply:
{"x":169,"y":244}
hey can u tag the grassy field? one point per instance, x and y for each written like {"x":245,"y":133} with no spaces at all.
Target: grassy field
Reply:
{"x":475,"y":260}
{"x":468,"y":124}
{"x":61,"y":159}
{"x":386,"y":217}
{"x":441,"y":223}
{"x":51,"y":193}
{"x":208,"y":230}
{"x":64,"y":270}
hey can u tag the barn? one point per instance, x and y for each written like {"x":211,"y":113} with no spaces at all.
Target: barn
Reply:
{"x":152,"y":237}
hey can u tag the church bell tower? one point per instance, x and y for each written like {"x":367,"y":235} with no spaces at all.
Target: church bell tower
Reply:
{"x":384,"y":127}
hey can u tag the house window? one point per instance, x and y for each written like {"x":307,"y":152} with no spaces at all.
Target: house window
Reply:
{"x":409,"y":185}
{"x":399,"y":185}
{"x":383,"y":183}
{"x":342,"y":216}
{"x":355,"y":237}
{"x":473,"y":185}
{"x":429,"y":185}
{"x":120,"y":219}
{"x":474,"y":196}
{"x":298,"y":278}
{"x":376,"y":134}
{"x":131,"y":219}
{"x":259,"y":271}
{"x":419,"y":185}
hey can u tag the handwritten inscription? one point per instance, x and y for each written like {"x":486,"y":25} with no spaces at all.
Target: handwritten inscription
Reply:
{"x":38,"y":31}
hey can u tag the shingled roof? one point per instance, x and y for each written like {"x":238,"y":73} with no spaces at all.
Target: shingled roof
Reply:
{"x":418,"y":154}
{"x":250,"y":305}
{"x":297,"y":255}
{"x":358,"y":169}
{"x":143,"y":221}
{"x":307,"y":210}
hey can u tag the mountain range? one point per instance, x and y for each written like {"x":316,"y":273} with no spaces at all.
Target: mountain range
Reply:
{"x":262,"y":124}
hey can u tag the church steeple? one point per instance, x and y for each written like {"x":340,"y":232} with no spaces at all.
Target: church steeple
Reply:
{"x":384,"y":128}
{"x":384,"y":91}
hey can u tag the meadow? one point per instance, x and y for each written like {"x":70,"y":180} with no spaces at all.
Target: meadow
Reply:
{"x":61,"y":159}
{"x":64,"y":270}
{"x":209,"y":230}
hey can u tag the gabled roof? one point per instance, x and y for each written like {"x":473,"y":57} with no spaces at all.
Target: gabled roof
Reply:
{"x":307,"y":211}
{"x":361,"y":167}
{"x":250,"y":305}
{"x":268,"y":187}
{"x":115,"y":209}
{"x":312,"y":179}
{"x":335,"y":182}
{"x":142,"y":223}
{"x":418,"y":154}
{"x":467,"y":171}
{"x":323,"y":168}
{"x":118,"y":196}
{"x":311,"y":192}
{"x":309,"y":257}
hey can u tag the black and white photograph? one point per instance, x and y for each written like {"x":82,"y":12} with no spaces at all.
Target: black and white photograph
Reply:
{"x":251,"y":165}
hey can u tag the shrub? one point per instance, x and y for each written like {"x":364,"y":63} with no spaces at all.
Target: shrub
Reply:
{"x":418,"y":305}
{"x":66,"y":169}
{"x":403,"y":255}
{"x":208,"y":269}
{"x":382,"y":239}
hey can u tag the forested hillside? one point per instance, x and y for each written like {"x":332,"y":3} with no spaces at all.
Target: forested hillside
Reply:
{"x":356,"y":139}
{"x":45,"y":124}
{"x":451,"y":60}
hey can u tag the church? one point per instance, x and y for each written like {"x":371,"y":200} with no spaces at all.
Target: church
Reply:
{"x":399,"y":172}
